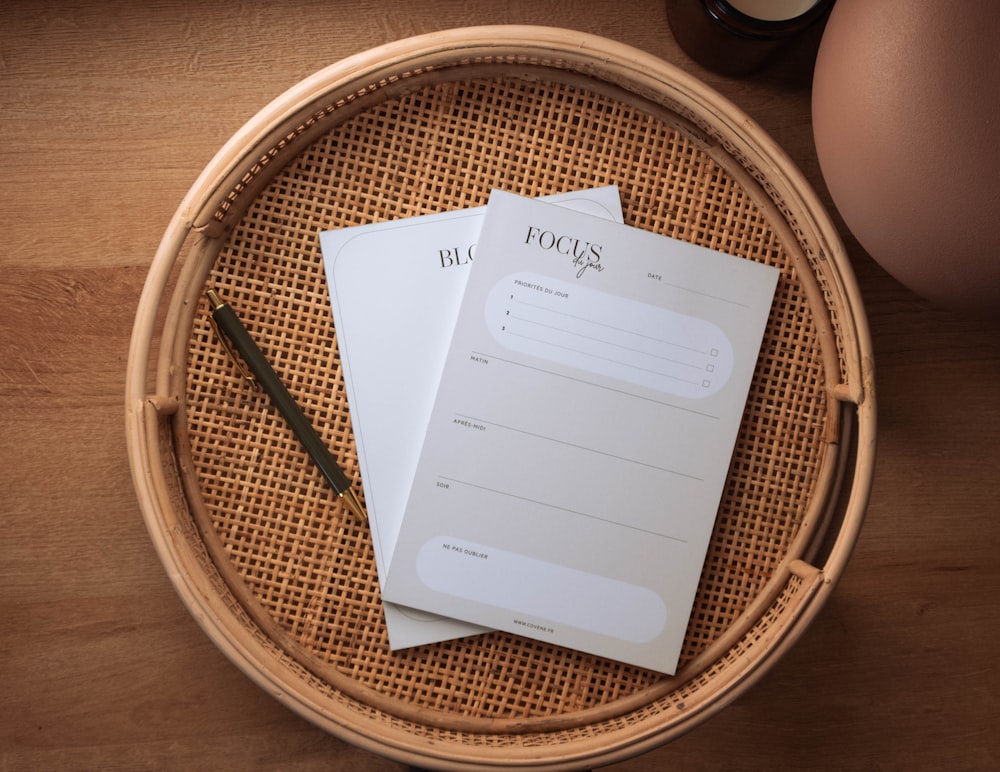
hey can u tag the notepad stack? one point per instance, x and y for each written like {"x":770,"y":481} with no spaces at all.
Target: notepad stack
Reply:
{"x":544,"y":401}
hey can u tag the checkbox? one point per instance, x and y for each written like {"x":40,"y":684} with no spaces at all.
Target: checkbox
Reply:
{"x":710,"y":368}
{"x":706,"y":383}
{"x":714,"y":352}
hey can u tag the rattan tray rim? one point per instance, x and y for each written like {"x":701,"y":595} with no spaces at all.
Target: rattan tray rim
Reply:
{"x":145,"y":406}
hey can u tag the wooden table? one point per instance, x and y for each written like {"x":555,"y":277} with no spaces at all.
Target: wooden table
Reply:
{"x":109,"y":112}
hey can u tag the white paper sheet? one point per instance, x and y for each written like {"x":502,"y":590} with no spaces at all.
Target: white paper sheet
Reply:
{"x":582,"y":431}
{"x":395,"y":288}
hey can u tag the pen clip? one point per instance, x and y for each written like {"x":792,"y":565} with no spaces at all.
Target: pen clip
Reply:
{"x":244,"y":372}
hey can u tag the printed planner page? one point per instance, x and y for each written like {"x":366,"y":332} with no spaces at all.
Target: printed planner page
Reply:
{"x":395,"y":288}
{"x":577,"y":449}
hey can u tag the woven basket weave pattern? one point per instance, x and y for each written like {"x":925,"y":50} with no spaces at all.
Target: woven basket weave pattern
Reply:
{"x":310,"y":569}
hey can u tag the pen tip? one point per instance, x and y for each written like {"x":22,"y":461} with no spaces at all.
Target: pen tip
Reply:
{"x":354,"y":505}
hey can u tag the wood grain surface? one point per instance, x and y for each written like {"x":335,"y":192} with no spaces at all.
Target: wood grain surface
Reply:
{"x":108,"y":112}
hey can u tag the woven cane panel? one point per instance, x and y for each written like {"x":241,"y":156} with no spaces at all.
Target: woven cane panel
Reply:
{"x":308,"y":565}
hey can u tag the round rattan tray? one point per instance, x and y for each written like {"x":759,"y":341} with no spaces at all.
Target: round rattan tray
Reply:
{"x":269,"y":563}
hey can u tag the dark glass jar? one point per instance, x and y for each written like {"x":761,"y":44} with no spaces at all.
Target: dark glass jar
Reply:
{"x":738,"y":37}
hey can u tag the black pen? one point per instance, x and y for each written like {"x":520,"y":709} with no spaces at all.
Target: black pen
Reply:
{"x":225,"y":319}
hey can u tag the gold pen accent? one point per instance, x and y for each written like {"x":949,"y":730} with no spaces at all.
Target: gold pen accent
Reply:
{"x":225,"y":320}
{"x":246,"y":374}
{"x":351,"y":500}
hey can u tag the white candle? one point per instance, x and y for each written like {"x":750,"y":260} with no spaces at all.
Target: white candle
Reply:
{"x":773,"y":10}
